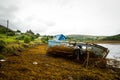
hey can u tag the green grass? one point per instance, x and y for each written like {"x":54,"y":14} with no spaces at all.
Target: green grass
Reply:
{"x":9,"y":39}
{"x":2,"y":56}
{"x":12,"y":39}
{"x":12,"y":44}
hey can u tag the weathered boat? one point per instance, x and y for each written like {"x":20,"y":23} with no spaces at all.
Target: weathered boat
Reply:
{"x":77,"y":50}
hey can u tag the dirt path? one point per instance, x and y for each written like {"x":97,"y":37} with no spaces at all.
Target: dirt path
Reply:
{"x":34,"y":64}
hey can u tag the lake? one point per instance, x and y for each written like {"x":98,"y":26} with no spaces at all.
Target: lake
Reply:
{"x":114,"y":54}
{"x":114,"y":51}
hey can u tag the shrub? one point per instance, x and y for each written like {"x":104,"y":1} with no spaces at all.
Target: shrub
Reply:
{"x":32,"y":37}
{"x":37,"y":35}
{"x":2,"y":45}
{"x":27,"y":39}
{"x":11,"y":33}
{"x":21,"y":37}
{"x":44,"y":39}
{"x":1,"y":56}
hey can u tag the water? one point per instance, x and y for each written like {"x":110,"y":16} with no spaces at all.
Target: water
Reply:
{"x":114,"y":50}
{"x":114,"y":54}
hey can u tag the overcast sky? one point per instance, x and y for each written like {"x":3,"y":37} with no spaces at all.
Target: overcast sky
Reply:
{"x":89,"y":17}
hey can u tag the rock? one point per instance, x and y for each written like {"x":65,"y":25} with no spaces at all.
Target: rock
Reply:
{"x":35,"y":62}
{"x":2,"y":60}
{"x":47,"y":65}
{"x":70,"y":78}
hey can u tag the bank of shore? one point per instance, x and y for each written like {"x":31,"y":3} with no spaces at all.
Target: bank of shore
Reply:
{"x":34,"y":64}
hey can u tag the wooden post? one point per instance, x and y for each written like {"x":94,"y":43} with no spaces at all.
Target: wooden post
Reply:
{"x":87,"y":60}
{"x":7,"y":28}
{"x":87,"y":57}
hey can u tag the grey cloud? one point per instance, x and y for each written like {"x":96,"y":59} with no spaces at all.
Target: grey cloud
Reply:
{"x":50,"y":23}
{"x":40,"y":25}
{"x":8,"y":12}
{"x":47,"y":22}
{"x":8,"y":8}
{"x":40,"y":29}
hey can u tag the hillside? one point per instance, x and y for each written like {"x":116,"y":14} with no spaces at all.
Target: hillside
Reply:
{"x":112,"y":38}
{"x":84,"y":37}
{"x":3,"y":30}
{"x":90,"y":38}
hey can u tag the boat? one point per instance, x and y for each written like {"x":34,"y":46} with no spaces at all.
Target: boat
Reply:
{"x":80,"y":51}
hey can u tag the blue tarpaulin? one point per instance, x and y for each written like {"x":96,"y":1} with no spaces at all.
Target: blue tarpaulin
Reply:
{"x":59,"y":37}
{"x":57,"y":40}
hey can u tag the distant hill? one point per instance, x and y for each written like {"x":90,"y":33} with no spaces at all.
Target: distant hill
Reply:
{"x":84,"y":37}
{"x":93,"y":38}
{"x":112,"y":38}
{"x":3,"y":30}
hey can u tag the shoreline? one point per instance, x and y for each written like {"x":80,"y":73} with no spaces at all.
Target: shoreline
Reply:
{"x":107,"y":42}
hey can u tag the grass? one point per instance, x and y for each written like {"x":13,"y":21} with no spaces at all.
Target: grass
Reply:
{"x":48,"y":68}
{"x":8,"y":39}
{"x":2,"y":56}
{"x":11,"y":39}
{"x":13,"y":46}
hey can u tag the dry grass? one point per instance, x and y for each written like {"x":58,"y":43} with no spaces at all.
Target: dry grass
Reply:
{"x":48,"y":68}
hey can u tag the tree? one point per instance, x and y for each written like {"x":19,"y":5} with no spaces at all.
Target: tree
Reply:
{"x":18,"y":31}
{"x":44,"y":39}
{"x":37,"y":35}
{"x":29,"y":32}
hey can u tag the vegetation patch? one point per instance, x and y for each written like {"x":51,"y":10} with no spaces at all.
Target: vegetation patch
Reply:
{"x":2,"y":45}
{"x":2,"y":56}
{"x":27,"y":39}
